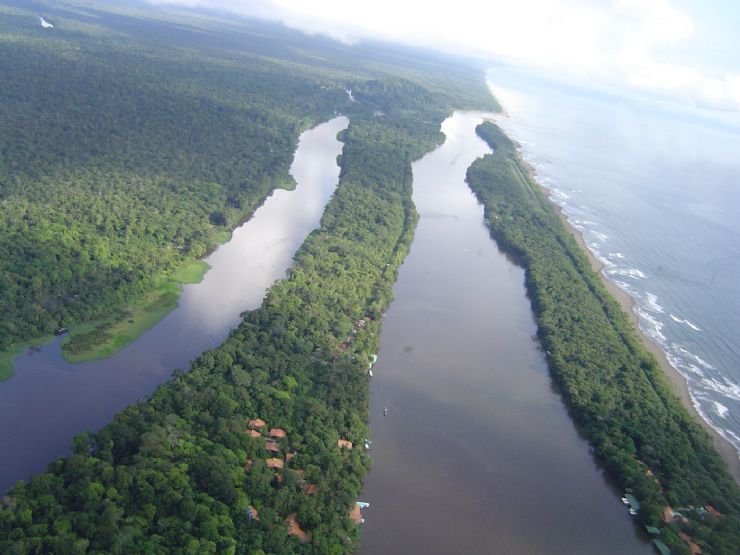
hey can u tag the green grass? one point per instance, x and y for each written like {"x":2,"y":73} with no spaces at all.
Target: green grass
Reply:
{"x":221,"y":237}
{"x":193,"y":271}
{"x":103,"y":338}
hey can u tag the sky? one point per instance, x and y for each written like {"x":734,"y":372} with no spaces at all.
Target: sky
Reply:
{"x":684,"y":50}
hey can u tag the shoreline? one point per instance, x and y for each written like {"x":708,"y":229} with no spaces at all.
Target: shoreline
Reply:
{"x":675,"y":379}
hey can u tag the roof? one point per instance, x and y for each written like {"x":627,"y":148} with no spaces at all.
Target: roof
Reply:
{"x":277,"y":432}
{"x":254,"y":433}
{"x":294,"y":529}
{"x":310,"y":489}
{"x":252,"y":513}
{"x":271,"y":446}
{"x":661,"y":547}
{"x":355,"y":514}
{"x":652,"y":530}
{"x":634,"y":503}
{"x":274,"y":463}
{"x":343,"y":443}
{"x":695,"y":549}
{"x":256,"y":423}
{"x":712,"y":511}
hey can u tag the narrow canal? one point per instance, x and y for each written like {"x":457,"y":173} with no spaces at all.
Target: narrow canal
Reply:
{"x":476,"y":453}
{"x":49,"y":401}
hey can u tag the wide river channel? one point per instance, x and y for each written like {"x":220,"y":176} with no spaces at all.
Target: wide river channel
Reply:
{"x":476,"y":453}
{"x":49,"y":401}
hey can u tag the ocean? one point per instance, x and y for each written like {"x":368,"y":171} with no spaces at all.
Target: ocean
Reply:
{"x":654,"y":188}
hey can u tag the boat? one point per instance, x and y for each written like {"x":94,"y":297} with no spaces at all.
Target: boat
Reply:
{"x":625,"y":501}
{"x":385,"y":411}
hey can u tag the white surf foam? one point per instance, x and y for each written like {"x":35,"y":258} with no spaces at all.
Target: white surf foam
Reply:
{"x":629,"y":272}
{"x":721,"y":409}
{"x":685,"y":322}
{"x":651,"y":300}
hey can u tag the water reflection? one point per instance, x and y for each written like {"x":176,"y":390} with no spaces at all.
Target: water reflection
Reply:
{"x":476,"y":454}
{"x":48,"y":401}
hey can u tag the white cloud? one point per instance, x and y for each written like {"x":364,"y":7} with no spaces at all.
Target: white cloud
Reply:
{"x":632,"y":43}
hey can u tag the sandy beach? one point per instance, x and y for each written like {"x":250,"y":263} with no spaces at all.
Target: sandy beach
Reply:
{"x":678,"y":383}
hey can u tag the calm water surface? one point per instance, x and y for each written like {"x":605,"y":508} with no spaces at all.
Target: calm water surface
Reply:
{"x":477,"y":453}
{"x":48,"y":401}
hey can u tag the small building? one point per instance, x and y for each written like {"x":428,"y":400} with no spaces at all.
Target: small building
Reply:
{"x":355,"y":515}
{"x":289,"y":457}
{"x":310,"y":489}
{"x":294,"y":529}
{"x":712,"y":511}
{"x":277,"y":432}
{"x":344,"y":444}
{"x":256,"y":423}
{"x":272,"y":446}
{"x":274,"y":463}
{"x":652,"y":530}
{"x":254,"y":433}
{"x":252,"y":513}
{"x":695,"y":549}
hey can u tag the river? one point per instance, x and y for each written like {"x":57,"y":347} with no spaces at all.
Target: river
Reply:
{"x":49,"y":401}
{"x":477,"y":453}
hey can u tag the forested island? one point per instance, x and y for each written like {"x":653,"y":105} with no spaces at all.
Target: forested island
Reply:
{"x":614,"y":388}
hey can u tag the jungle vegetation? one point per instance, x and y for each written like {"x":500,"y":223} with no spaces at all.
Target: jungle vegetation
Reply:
{"x":127,"y":189}
{"x":132,"y":139}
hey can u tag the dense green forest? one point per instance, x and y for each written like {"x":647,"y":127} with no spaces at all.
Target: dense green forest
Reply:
{"x":179,"y":472}
{"x":190,"y":469}
{"x":132,"y":139}
{"x":614,"y":388}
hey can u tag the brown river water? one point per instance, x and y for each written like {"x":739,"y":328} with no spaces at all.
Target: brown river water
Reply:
{"x":477,"y":453}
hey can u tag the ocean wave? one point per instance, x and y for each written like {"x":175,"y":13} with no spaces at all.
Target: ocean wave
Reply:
{"x":722,"y":387}
{"x":721,"y":409}
{"x":600,"y":236}
{"x":696,"y":358}
{"x":628,"y":272}
{"x":652,"y":326}
{"x":685,"y":322}
{"x":651,"y":300}
{"x":617,"y":255}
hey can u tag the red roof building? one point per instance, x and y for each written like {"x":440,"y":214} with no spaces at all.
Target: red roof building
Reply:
{"x":256,"y":423}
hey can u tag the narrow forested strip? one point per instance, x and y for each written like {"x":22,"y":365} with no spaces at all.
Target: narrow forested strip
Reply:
{"x":191,"y":469}
{"x":614,"y":388}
